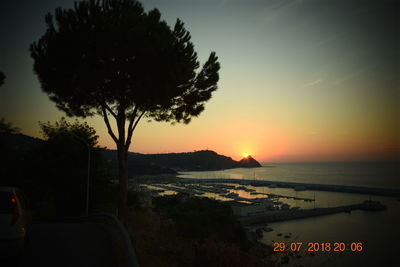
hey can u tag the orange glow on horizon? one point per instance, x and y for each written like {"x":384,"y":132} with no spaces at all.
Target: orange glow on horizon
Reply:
{"x":264,"y":142}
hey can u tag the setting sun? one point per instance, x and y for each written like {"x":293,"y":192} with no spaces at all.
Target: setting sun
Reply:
{"x":245,"y":155}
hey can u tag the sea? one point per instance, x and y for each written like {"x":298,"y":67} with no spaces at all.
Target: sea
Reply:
{"x":377,"y":234}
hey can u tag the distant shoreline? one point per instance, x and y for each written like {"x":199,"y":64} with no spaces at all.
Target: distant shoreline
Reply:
{"x":301,"y":186}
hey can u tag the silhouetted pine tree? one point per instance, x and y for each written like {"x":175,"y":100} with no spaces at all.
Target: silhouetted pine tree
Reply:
{"x":111,"y":58}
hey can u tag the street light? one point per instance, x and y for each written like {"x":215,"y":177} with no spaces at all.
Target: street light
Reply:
{"x":88,"y":168}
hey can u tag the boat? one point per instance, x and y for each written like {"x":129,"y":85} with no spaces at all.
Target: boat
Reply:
{"x":232,"y":195}
{"x":300,"y":188}
{"x":372,"y":205}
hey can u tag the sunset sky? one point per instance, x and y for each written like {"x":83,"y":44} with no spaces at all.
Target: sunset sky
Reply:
{"x":300,"y":80}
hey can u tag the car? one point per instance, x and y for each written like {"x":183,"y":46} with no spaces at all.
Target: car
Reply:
{"x":15,"y":219}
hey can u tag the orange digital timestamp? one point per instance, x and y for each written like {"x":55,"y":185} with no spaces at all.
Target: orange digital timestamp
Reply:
{"x":318,"y":246}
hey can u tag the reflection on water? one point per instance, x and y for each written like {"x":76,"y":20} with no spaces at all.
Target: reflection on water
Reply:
{"x":372,"y":174}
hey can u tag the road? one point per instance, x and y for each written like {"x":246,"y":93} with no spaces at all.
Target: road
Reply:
{"x":69,"y":244}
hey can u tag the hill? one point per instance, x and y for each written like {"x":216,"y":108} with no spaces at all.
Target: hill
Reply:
{"x":19,"y":142}
{"x":204,"y":160}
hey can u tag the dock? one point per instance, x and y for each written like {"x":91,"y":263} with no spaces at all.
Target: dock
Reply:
{"x":292,"y":214}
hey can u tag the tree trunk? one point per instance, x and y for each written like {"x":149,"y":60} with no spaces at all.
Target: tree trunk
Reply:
{"x":123,"y":183}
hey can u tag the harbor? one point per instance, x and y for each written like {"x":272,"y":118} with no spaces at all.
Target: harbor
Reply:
{"x":257,"y":207}
{"x":300,"y":186}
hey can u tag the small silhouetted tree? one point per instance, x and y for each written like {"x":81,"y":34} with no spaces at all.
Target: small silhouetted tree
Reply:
{"x":63,"y":129}
{"x":111,"y":58}
{"x":64,"y":163}
{"x":2,"y":78}
{"x":7,"y":127}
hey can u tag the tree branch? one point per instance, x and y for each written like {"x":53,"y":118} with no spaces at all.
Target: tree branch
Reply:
{"x":137,"y":121}
{"x":110,"y":110}
{"x":121,"y":120}
{"x":132,"y":118}
{"x":104,"y":105}
{"x":110,"y":131}
{"x":132,"y":126}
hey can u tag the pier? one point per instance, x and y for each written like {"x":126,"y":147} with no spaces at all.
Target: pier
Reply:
{"x":283,"y":215}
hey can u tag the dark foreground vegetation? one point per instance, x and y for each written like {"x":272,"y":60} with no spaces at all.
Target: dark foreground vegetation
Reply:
{"x":188,"y":231}
{"x":53,"y":172}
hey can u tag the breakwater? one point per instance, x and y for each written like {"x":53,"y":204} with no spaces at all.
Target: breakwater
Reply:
{"x":283,"y":215}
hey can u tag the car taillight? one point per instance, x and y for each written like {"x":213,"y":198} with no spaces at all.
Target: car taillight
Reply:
{"x":15,"y":215}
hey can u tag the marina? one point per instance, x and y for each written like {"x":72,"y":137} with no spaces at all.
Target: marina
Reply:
{"x":258,"y":207}
{"x":300,"y":186}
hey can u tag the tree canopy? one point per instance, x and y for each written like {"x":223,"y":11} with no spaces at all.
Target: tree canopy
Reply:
{"x":111,"y":56}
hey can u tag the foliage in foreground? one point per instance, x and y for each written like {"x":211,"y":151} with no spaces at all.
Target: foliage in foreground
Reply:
{"x":200,"y":218}
{"x":158,"y":241}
